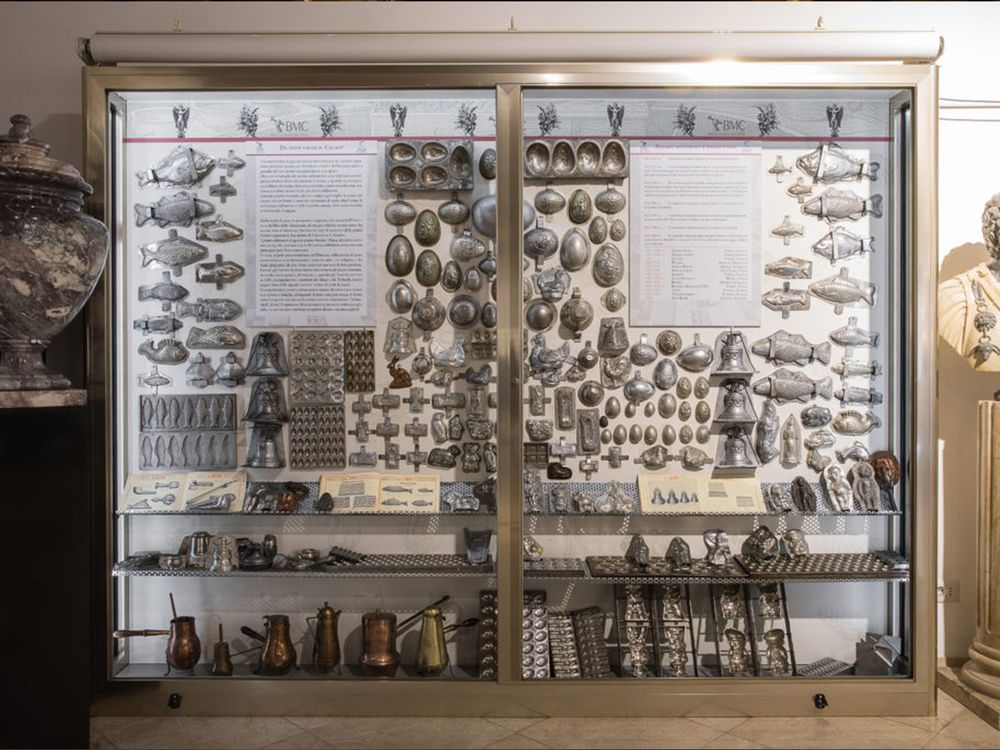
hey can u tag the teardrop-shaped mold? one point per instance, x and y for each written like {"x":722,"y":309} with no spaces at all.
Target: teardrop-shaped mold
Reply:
{"x":574,"y":250}
{"x":619,"y":435}
{"x":634,"y":434}
{"x":399,"y":255}
{"x":399,"y":213}
{"x":617,"y":230}
{"x":649,"y":435}
{"x":669,"y":435}
{"x":588,"y":157}
{"x":563,"y":159}
{"x":598,"y":230}
{"x":428,"y":268}
{"x":580,"y":207}
{"x":536,"y":158}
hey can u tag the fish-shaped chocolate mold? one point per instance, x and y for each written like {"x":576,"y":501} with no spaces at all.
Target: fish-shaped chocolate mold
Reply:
{"x":841,"y":243}
{"x":789,"y":268}
{"x":788,"y":229}
{"x":841,"y":290}
{"x":829,"y":163}
{"x":786,"y":300}
{"x":164,"y":351}
{"x":800,"y":189}
{"x":179,"y":209}
{"x":219,"y":272}
{"x":222,"y":190}
{"x":851,"y":422}
{"x":217,"y":337}
{"x":230,"y":162}
{"x":849,"y":367}
{"x":217,"y":230}
{"x":852,"y":335}
{"x":182,"y":167}
{"x":159,"y":324}
{"x":785,"y":385}
{"x":173,"y":252}
{"x":166,"y":292}
{"x":791,"y":348}
{"x":835,"y":205}
{"x":209,"y":310}
{"x":779,"y":168}
{"x":853,"y":395}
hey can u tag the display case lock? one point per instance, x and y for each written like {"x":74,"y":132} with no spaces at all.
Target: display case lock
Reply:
{"x":174,"y":701}
{"x":820,"y":701}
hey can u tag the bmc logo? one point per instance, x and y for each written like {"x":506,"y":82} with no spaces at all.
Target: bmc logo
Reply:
{"x":727,"y":125}
{"x":289,"y":126}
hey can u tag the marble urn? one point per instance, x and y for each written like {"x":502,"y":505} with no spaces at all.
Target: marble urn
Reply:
{"x":51,"y":256}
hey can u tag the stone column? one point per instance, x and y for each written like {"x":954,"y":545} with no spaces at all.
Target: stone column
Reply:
{"x":982,"y":671}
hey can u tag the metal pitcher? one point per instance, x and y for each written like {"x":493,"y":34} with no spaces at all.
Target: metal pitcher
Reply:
{"x":326,"y":647}
{"x":432,"y":654}
{"x":183,"y":645}
{"x":378,"y":637}
{"x":277,"y":655}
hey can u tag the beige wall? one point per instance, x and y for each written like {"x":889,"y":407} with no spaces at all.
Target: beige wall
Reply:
{"x":42,"y":79}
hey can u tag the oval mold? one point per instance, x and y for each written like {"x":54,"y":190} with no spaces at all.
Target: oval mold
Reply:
{"x":598,"y":230}
{"x":401,"y":177}
{"x":613,"y":160}
{"x":401,"y":296}
{"x":574,"y":250}
{"x":608,"y":266}
{"x":563,"y":159}
{"x":428,"y":268}
{"x":451,"y":276}
{"x":399,"y":256}
{"x":402,"y":152}
{"x":588,"y":157}
{"x":427,"y":230}
{"x":453,"y":211}
{"x":610,"y":201}
{"x":536,"y":158}
{"x":433,"y":176}
{"x":488,"y":164}
{"x":549,"y":201}
{"x":463,"y":311}
{"x":540,"y":315}
{"x":580,"y":207}
{"x":399,"y":213}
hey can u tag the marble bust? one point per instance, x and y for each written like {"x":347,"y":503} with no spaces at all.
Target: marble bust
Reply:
{"x":969,"y":304}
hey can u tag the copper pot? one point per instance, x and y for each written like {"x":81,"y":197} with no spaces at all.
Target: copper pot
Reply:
{"x":277,"y":655}
{"x":183,"y":645}
{"x":378,"y":636}
{"x":326,"y":648}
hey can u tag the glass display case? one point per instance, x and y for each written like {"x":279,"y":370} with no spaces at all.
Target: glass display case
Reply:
{"x":305,"y":330}
{"x":714,"y":382}
{"x":557,"y":382}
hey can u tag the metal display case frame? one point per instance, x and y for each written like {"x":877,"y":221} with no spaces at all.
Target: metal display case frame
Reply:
{"x":509,"y":695}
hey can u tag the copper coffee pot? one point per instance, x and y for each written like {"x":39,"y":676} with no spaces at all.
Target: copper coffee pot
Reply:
{"x":222,"y":664}
{"x":277,"y":656}
{"x":378,"y":641}
{"x":183,"y":646}
{"x":326,"y":647}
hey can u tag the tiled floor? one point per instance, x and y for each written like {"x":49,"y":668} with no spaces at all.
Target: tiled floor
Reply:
{"x":953,"y":727}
